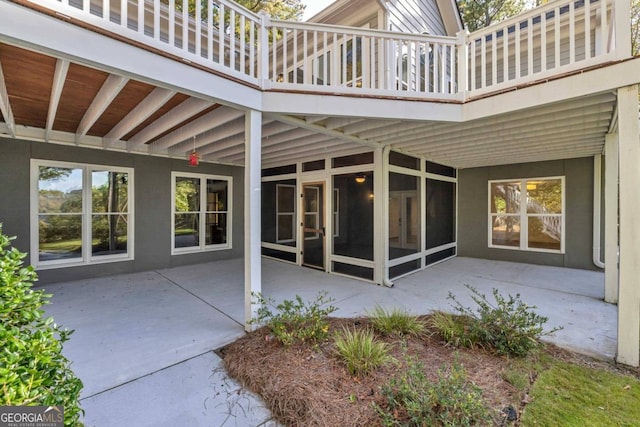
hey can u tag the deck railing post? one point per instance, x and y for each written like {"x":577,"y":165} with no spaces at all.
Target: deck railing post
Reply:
{"x":462,"y":79}
{"x":263,"y":51}
{"x":621,"y":42}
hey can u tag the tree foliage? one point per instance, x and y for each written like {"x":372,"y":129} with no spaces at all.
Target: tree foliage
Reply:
{"x":478,"y":14}
{"x":635,"y":27}
{"x":278,"y":9}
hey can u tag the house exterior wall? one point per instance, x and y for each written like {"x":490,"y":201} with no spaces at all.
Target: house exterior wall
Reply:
{"x":415,"y":16}
{"x":473,"y":212}
{"x":152,"y":206}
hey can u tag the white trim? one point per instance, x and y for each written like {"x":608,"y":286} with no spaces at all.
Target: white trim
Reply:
{"x":86,"y":213}
{"x":277,"y":247}
{"x":523,"y":215}
{"x":202,"y":246}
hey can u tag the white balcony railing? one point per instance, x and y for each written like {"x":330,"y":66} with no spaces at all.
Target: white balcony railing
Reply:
{"x":558,"y":38}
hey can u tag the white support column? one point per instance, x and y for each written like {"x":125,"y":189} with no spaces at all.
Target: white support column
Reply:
{"x":621,"y":28}
{"x":611,"y":218}
{"x":629,"y":289}
{"x":380,"y":215}
{"x":252,"y":202}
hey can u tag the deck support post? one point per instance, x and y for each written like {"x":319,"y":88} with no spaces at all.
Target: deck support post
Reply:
{"x":611,"y":218}
{"x":252,"y":206}
{"x":629,"y":180}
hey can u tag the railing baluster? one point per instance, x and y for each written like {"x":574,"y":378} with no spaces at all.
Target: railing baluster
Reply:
{"x":443,"y":73}
{"x":518,"y":41}
{"x":156,"y":20}
{"x":140,"y":15}
{"x":494,"y":58}
{"x":364,"y":59}
{"x":418,"y":56}
{"x":483,"y":61}
{"x":427,"y":67}
{"x":436,"y":67}
{"x":587,"y":29}
{"x":243,"y":43}
{"x":294,"y":56}
{"x":221,"y":15}
{"x":335,"y":71}
{"x":453,"y":55}
{"x":305,"y":49}
{"x":232,"y":39}
{"x":198,"y":28}
{"x":106,"y":10}
{"x":530,"y":46}
{"x":124,"y":12}
{"x":185,"y":25}
{"x":285,"y":55}
{"x":604,"y":31}
{"x":543,"y":42}
{"x":556,"y":35}
{"x":210,"y":31}
{"x":314,"y":64}
{"x":325,"y":80}
{"x":505,"y":55}
{"x":252,"y":49}
{"x":572,"y":33}
{"x":472,"y":50}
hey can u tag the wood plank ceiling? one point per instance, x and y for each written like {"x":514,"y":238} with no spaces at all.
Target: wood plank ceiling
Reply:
{"x":52,"y":99}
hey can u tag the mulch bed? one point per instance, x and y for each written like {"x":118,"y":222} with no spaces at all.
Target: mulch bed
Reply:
{"x":306,"y":386}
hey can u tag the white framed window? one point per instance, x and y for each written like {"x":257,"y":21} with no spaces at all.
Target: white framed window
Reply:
{"x":201,"y":216}
{"x":285,"y":213}
{"x":81,"y":214}
{"x":527,"y":214}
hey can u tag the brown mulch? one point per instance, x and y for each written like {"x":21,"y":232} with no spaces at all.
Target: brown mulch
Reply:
{"x":306,"y":386}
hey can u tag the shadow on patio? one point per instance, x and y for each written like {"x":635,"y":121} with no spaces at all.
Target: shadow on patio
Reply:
{"x":143,"y":341}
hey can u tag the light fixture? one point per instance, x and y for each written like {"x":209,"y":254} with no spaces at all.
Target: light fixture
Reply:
{"x":194,"y":157}
{"x":360,"y":179}
{"x":532,"y":186}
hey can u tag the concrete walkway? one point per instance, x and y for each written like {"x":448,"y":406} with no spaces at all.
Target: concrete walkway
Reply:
{"x":143,"y":342}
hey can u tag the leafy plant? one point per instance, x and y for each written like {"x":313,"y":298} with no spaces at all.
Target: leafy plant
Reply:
{"x":295,"y":320}
{"x":395,"y":322}
{"x":453,"y":329}
{"x":413,"y":400}
{"x":33,"y":370}
{"x":510,"y":326}
{"x":360,"y":350}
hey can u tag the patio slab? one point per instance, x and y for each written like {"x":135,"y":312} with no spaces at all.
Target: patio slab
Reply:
{"x":143,"y":342}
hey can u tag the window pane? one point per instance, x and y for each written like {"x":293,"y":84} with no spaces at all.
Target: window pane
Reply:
{"x":60,"y":237}
{"x":544,"y":196}
{"x":187,"y":194}
{"x":505,"y":197}
{"x":505,"y":231}
{"x":216,"y":232}
{"x":216,"y":195}
{"x":545,"y":232}
{"x":109,"y":191}
{"x":186,"y":230}
{"x":109,"y":234}
{"x":59,"y":190}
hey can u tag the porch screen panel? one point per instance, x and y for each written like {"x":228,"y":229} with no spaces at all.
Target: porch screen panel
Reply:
{"x":441,"y":213}
{"x":404,"y":215}
{"x":60,"y":213}
{"x":353,"y":232}
{"x":110,"y":212}
{"x":187,"y":212}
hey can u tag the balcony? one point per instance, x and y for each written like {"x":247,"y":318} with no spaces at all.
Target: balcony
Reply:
{"x":560,"y":38}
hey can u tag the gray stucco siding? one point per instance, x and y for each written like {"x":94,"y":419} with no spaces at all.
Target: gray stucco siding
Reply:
{"x":473,"y":215}
{"x":152,"y":205}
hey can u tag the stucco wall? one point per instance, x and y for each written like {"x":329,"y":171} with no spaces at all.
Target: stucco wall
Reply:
{"x":473,"y":212}
{"x":152,"y":205}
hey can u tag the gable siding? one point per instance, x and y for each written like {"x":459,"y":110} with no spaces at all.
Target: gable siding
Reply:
{"x":415,"y":16}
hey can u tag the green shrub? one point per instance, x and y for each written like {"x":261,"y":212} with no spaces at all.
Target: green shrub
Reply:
{"x":294,"y":321}
{"x":395,"y":322}
{"x":33,"y":370}
{"x":360,"y":350}
{"x":412,"y":400}
{"x":453,"y":329}
{"x":510,"y":326}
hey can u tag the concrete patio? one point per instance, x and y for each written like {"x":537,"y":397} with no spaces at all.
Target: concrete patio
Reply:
{"x":143,"y":342}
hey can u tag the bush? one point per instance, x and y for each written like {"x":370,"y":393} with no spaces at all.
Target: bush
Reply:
{"x":454,"y":330}
{"x":412,"y":400}
{"x":360,"y":350}
{"x":510,"y":326}
{"x":395,"y":322}
{"x":33,"y":370}
{"x":294,"y":320}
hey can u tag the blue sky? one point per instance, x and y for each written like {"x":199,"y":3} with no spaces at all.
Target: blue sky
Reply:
{"x":314,"y":6}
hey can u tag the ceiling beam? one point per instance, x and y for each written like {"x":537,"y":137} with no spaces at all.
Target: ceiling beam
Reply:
{"x":172,"y":118}
{"x":149,"y":105}
{"x":211,"y":120}
{"x":5,"y":106}
{"x":59,"y":77}
{"x":107,"y":93}
{"x":224,"y":136}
